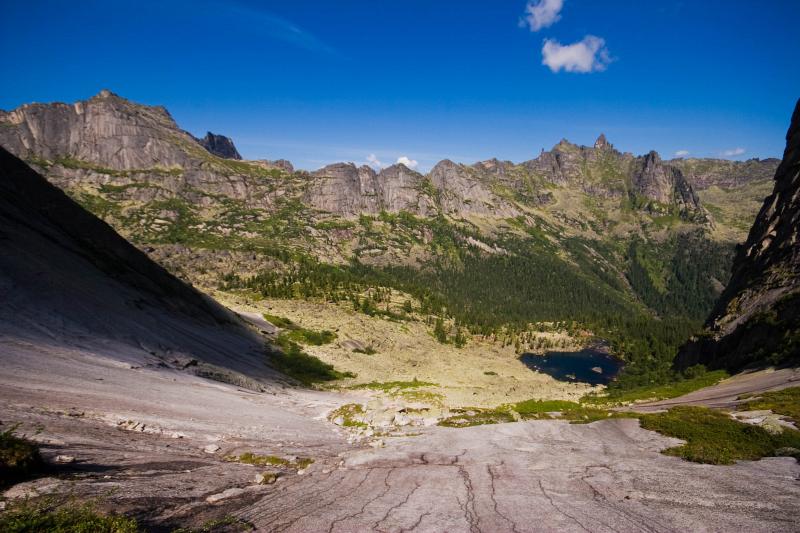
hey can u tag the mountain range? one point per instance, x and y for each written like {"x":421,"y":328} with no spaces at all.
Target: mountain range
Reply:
{"x":587,"y":234}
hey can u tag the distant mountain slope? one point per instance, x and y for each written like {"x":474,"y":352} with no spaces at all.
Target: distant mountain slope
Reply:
{"x":67,"y":278}
{"x":757,"y":318}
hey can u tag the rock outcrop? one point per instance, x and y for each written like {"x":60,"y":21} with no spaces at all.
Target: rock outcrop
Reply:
{"x":345,"y":189}
{"x":108,"y":141}
{"x":757,"y":318}
{"x":663,"y":184}
{"x":603,"y":171}
{"x":220,"y":146}
{"x":460,"y":190}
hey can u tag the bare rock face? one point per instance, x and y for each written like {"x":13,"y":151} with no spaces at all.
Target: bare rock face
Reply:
{"x":108,"y":140}
{"x":404,"y":189}
{"x":460,"y":190}
{"x":220,"y":146}
{"x":68,"y":277}
{"x":663,"y":184}
{"x":105,"y":130}
{"x":345,"y":189}
{"x":757,"y":319}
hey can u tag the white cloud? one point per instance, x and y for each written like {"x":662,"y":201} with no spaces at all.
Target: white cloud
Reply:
{"x":733,"y":152}
{"x":373,"y":161}
{"x":681,"y":153}
{"x":410,"y":163}
{"x":587,"y":55}
{"x":541,"y":14}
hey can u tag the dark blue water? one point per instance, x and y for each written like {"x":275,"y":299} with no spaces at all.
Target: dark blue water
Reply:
{"x":580,"y":366}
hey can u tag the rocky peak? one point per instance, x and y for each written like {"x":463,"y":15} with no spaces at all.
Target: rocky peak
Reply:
{"x":106,"y":131}
{"x":445,"y":165}
{"x":757,"y":318}
{"x":445,"y":173}
{"x":399,"y":170}
{"x":602,"y":142}
{"x":652,"y":159}
{"x":664,"y":184}
{"x":220,"y":146}
{"x":493,"y":166}
{"x":283,"y":164}
{"x":564,"y":145}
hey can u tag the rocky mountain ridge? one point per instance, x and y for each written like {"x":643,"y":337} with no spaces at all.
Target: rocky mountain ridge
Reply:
{"x":757,"y":319}
{"x":109,"y":133}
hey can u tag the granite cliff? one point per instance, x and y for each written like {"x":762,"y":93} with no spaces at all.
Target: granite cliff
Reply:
{"x":757,"y":319}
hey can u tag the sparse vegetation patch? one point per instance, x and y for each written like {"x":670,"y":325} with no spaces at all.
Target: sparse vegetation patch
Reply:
{"x":713,"y":437}
{"x":348,"y":415}
{"x":783,"y":402}
{"x":28,"y":517}
{"x":251,"y":458}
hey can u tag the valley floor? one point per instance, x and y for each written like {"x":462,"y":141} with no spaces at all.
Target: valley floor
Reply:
{"x":480,"y":374}
{"x":160,"y":455}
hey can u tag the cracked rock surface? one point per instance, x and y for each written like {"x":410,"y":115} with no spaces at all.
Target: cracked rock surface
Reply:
{"x":523,"y":476}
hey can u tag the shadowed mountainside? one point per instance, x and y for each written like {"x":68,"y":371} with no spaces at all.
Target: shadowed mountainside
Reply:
{"x":66,"y":277}
{"x":757,"y":319}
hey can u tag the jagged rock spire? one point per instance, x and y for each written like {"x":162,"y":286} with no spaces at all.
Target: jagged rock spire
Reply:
{"x":602,"y":142}
{"x":220,"y":146}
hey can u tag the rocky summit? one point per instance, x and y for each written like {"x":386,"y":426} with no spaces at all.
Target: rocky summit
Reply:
{"x":220,"y":145}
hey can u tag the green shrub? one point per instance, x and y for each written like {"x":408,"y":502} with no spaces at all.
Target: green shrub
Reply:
{"x":307,"y":369}
{"x":227,"y":523}
{"x":477,"y":417}
{"x":19,"y":458}
{"x":695,"y":380}
{"x":309,"y":336}
{"x":279,"y":321}
{"x":251,"y":458}
{"x":393,"y":385}
{"x":350,"y":414}
{"x":713,"y":437}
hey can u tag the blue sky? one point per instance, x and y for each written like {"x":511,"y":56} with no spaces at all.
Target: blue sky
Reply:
{"x":317,"y":82}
